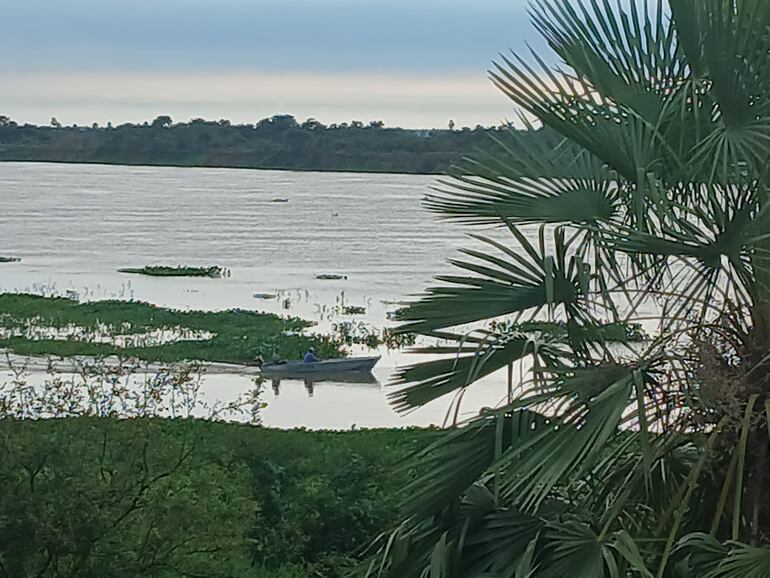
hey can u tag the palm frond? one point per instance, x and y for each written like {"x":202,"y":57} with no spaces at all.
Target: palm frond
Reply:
{"x":520,"y":182}
{"x":434,"y":379}
{"x":513,"y":282}
{"x":644,"y":196}
{"x":704,"y":556}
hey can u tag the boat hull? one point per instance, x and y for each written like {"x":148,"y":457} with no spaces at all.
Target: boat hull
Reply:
{"x":327,"y":367}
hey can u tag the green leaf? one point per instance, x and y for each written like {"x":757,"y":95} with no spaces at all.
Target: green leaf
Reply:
{"x":510,"y":283}
{"x":500,"y":544}
{"x":431,"y":380}
{"x":575,"y":442}
{"x":627,"y":548}
{"x":451,"y":465}
{"x":743,"y":561}
{"x":572,"y":549}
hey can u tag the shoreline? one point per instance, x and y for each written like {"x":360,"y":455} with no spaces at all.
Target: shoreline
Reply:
{"x":219,"y":166}
{"x":69,"y":365}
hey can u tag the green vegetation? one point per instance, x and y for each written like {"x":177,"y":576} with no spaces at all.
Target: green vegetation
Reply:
{"x":179,"y":271}
{"x":617,"y":332}
{"x":654,"y":460}
{"x":266,"y":296}
{"x":235,"y":336}
{"x":360,"y":333}
{"x":91,"y":497}
{"x":279,"y":142}
{"x":9,"y":259}
{"x":354,"y":310}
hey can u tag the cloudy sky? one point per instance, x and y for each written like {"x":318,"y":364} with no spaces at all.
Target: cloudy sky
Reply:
{"x":414,"y":63}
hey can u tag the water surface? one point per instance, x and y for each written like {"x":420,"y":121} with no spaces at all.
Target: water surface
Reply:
{"x":74,"y":225}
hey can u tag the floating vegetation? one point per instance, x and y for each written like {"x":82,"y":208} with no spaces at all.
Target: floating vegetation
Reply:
{"x":266,"y":296}
{"x":331,"y":277}
{"x":103,"y":333}
{"x":214,"y":272}
{"x":620,"y":332}
{"x":332,"y":312}
{"x":34,"y":325}
{"x":359,"y":333}
{"x":10,"y":259}
{"x":354,"y":310}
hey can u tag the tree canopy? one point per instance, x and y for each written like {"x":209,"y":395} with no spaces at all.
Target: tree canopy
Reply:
{"x":278,"y":142}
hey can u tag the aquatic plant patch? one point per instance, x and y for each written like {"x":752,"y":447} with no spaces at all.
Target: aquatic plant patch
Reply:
{"x":608,"y":332}
{"x":214,"y":272}
{"x":33,"y":325}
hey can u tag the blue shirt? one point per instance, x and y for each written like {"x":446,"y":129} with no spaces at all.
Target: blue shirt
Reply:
{"x":310,"y":357}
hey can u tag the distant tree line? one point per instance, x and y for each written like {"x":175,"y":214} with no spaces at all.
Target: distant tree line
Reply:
{"x":278,"y":142}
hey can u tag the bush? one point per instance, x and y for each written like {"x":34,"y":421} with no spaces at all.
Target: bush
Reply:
{"x":127,"y":498}
{"x":98,"y":498}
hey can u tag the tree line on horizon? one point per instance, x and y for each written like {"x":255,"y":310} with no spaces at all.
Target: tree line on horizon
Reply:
{"x":277,"y":142}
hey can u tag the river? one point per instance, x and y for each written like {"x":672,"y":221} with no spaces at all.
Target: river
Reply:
{"x":75,"y":225}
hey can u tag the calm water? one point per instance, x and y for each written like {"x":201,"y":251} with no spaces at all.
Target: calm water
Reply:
{"x":74,"y":225}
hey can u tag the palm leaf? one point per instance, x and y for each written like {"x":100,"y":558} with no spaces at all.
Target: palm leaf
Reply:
{"x":434,"y":379}
{"x":514,"y":282}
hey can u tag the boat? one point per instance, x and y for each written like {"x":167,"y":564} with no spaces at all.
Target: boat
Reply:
{"x":302,"y":369}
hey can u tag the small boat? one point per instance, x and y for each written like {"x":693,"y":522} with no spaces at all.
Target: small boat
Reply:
{"x":326,"y":367}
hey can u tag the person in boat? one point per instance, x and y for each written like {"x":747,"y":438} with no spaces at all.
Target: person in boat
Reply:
{"x":259,"y":361}
{"x":310,"y":356}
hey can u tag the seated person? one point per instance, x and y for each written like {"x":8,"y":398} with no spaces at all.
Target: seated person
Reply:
{"x":310,"y":356}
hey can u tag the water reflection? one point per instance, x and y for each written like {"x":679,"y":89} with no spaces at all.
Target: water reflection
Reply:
{"x":355,"y":378}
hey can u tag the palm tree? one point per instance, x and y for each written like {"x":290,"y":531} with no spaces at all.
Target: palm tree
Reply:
{"x":645,"y":199}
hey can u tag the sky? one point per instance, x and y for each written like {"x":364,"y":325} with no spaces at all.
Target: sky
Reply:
{"x":411,"y":63}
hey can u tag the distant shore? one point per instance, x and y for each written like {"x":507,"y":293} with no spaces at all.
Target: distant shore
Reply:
{"x":278,"y":143}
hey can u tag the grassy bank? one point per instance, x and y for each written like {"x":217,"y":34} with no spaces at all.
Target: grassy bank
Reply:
{"x":33,"y":325}
{"x":130,"y":498}
{"x":214,"y":272}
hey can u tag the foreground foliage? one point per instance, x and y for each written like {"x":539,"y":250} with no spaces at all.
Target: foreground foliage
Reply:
{"x":645,"y":460}
{"x":94,"y":497}
{"x":235,"y":336}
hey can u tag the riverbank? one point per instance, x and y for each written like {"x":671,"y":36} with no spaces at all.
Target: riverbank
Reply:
{"x":186,"y":497}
